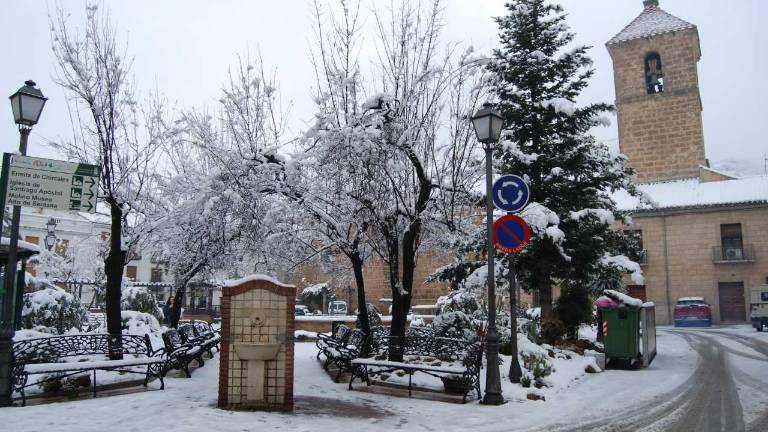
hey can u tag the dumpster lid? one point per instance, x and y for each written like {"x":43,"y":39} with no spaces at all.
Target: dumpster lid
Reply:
{"x":623,"y":298}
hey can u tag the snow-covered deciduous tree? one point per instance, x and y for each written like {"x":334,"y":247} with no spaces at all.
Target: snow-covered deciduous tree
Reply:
{"x":220,"y":180}
{"x":110,"y":129}
{"x":425,"y":157}
{"x":537,"y":79}
{"x":333,"y":170}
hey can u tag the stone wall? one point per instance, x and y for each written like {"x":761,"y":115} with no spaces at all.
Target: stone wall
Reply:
{"x":680,"y":255}
{"x":662,"y":133}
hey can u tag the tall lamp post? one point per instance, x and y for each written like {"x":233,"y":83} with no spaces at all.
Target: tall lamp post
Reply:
{"x":488,"y":123}
{"x":27,"y":104}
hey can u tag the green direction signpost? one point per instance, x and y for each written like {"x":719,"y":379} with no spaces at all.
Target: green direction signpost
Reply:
{"x":50,"y":184}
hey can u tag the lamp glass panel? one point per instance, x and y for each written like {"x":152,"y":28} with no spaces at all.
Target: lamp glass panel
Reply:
{"x":15,"y":106}
{"x":497,"y":123}
{"x":482,"y":127}
{"x":31,"y":108}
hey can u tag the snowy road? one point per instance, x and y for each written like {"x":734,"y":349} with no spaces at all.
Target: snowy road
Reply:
{"x":728,"y":390}
{"x":702,"y":380}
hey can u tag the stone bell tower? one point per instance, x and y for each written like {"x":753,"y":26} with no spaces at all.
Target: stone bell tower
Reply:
{"x":657,"y":95}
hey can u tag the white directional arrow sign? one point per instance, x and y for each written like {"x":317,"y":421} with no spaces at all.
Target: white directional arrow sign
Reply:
{"x":49,"y":183}
{"x":510,"y":193}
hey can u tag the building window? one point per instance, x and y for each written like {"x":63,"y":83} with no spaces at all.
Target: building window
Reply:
{"x":130,"y":272}
{"x":157,"y":275}
{"x":731,"y":241}
{"x":32,"y":239}
{"x":654,"y":73}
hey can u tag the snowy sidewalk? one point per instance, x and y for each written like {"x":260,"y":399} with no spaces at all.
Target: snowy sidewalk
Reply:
{"x":190,"y":404}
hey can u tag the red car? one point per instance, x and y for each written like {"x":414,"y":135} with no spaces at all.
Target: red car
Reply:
{"x":693,"y":312}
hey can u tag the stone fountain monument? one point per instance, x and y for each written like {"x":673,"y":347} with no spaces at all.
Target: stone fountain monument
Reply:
{"x":256,"y":365}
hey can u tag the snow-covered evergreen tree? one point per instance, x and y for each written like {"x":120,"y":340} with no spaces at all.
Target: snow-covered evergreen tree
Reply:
{"x":537,"y":77}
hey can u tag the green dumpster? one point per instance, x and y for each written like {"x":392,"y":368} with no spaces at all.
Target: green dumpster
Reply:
{"x":621,"y":333}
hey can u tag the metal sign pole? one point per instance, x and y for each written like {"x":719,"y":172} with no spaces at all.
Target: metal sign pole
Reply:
{"x":6,"y":326}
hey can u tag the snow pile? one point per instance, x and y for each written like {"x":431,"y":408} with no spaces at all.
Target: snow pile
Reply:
{"x":623,"y":298}
{"x":303,"y":334}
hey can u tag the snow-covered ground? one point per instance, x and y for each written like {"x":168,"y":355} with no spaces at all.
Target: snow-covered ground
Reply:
{"x":190,"y":404}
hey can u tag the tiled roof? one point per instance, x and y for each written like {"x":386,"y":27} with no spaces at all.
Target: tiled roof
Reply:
{"x":653,"y":21}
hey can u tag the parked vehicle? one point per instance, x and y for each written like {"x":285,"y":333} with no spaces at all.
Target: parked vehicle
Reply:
{"x":758,"y":310}
{"x":301,"y":310}
{"x":693,"y":312}
{"x":337,"y":308}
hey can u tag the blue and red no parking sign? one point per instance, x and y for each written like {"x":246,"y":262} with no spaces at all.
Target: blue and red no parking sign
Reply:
{"x":511,"y":234}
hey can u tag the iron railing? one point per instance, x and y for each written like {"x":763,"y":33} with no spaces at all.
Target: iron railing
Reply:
{"x":729,"y":254}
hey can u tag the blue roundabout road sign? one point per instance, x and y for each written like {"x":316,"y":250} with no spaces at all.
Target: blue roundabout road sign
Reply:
{"x":510,"y":193}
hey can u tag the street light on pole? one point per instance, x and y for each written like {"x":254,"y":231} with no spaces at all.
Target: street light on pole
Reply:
{"x":488,"y":123}
{"x":27,"y":104}
{"x":50,"y":238}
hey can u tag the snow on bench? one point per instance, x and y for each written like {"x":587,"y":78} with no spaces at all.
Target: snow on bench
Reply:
{"x":37,"y":368}
{"x":409,"y":366}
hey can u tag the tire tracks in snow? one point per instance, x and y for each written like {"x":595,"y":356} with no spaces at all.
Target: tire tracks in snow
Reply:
{"x":707,"y":401}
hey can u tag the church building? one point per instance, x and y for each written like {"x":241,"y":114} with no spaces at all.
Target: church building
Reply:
{"x":704,"y":233}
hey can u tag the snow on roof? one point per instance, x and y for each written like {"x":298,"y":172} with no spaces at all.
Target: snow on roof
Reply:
{"x":651,"y":22}
{"x":255,"y":277}
{"x":693,"y":193}
{"x":21,"y":245}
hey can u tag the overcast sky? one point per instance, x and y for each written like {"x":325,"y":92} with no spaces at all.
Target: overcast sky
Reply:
{"x":183,"y":49}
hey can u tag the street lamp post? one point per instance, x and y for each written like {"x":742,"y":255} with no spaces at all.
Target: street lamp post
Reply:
{"x":488,"y":123}
{"x":27,"y":104}
{"x":50,"y":238}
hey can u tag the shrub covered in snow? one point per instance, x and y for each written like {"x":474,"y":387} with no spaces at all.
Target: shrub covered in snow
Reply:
{"x":573,"y":308}
{"x":536,"y":368}
{"x":459,"y":301}
{"x":456,"y":325}
{"x":138,"y":323}
{"x":552,"y":330}
{"x":139,"y":299}
{"x":51,"y":310}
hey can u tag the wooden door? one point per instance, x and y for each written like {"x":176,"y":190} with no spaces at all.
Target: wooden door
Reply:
{"x":732,"y":301}
{"x":637,"y":291}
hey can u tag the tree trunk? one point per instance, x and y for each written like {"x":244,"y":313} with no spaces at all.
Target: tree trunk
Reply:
{"x":545,"y":297}
{"x":399,"y":312}
{"x":515,"y":372}
{"x":180,"y":290}
{"x":113,"y":267}
{"x":362,"y":305}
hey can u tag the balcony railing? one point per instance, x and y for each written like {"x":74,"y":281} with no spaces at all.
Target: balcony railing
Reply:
{"x":733,"y":254}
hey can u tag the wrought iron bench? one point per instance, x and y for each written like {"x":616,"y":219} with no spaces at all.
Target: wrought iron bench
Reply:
{"x":207,"y":337}
{"x":68,"y":355}
{"x":181,"y":353}
{"x":342,"y":355}
{"x":325,"y":342}
{"x":453,"y":359}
